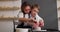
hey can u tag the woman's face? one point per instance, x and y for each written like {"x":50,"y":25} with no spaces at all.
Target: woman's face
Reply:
{"x":27,"y":9}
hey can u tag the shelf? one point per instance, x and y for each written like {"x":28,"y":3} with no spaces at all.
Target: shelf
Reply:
{"x":59,"y":18}
{"x":7,"y":18}
{"x":58,"y":0}
{"x":8,"y":8}
{"x":58,"y":8}
{"x":8,"y":0}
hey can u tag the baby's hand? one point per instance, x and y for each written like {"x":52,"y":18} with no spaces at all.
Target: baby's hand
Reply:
{"x":35,"y":25}
{"x":41,"y":23}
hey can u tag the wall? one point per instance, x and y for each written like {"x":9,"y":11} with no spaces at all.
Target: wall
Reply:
{"x":48,"y":11}
{"x":58,"y":12}
{"x":7,"y":25}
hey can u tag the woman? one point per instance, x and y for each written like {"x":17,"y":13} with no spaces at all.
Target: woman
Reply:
{"x":24,"y":15}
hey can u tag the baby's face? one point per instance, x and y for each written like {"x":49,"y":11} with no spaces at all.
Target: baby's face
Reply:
{"x":34,"y":11}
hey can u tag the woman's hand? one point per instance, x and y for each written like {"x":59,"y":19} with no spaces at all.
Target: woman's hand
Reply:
{"x":32,"y":20}
{"x":33,"y":23}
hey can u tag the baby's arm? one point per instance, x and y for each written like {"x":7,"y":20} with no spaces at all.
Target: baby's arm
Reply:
{"x":35,"y":25}
{"x":41,"y":21}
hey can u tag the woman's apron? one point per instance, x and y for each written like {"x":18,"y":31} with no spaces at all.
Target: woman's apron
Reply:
{"x":21,"y":25}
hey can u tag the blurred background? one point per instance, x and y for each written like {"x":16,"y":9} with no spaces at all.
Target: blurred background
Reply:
{"x":9,"y":9}
{"x":58,"y":11}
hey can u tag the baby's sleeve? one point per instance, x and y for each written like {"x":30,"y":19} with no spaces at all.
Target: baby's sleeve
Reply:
{"x":38,"y":18}
{"x":41,"y":22}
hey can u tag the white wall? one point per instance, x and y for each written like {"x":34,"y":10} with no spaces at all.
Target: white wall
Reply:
{"x":7,"y":25}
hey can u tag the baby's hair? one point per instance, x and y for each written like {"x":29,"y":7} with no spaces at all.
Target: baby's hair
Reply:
{"x":35,"y":6}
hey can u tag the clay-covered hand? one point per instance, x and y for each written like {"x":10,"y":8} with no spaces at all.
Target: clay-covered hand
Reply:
{"x":35,"y":25}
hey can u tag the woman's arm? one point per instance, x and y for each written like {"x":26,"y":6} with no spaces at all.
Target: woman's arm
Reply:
{"x":24,"y":19}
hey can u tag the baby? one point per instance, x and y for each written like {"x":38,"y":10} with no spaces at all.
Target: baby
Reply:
{"x":38,"y":21}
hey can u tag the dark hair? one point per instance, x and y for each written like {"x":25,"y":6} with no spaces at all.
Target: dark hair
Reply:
{"x":24,"y":4}
{"x":35,"y":6}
